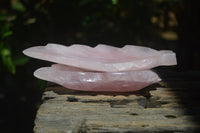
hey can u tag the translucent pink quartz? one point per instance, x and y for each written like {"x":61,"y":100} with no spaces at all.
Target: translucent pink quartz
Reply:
{"x":77,"y":79}
{"x":102,"y":57}
{"x":102,"y":68}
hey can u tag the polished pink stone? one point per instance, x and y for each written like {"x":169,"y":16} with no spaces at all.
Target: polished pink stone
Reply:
{"x":103,"y":57}
{"x":78,"y":79}
{"x":102,"y":68}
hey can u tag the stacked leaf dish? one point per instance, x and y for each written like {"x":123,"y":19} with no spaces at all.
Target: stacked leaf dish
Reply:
{"x":101,"y":68}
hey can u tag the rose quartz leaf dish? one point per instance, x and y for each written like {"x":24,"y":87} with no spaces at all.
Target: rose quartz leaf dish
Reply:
{"x":102,"y":68}
{"x":78,"y":79}
{"x":102,"y":57}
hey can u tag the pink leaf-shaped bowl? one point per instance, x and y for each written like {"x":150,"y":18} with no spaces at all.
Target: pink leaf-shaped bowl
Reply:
{"x":103,"y":57}
{"x":79,"y":79}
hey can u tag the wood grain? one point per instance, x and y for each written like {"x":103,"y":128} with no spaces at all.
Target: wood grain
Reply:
{"x":173,"y":107}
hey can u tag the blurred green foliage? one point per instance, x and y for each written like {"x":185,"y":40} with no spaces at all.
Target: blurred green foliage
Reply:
{"x":5,"y":51}
{"x":10,"y":60}
{"x":18,"y":6}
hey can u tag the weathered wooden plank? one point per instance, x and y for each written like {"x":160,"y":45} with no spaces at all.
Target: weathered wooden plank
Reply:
{"x":167,"y":110}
